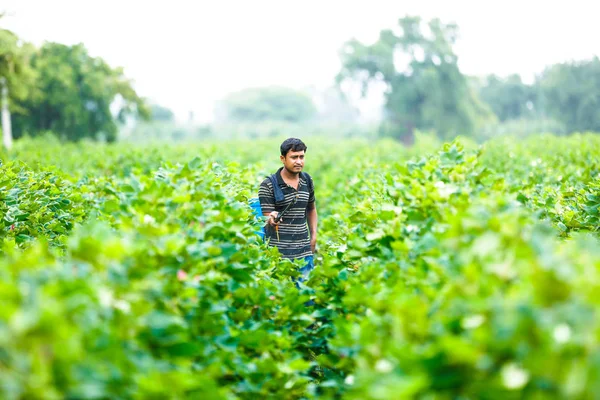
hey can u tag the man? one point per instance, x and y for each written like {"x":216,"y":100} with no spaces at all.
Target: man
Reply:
{"x":295,"y":234}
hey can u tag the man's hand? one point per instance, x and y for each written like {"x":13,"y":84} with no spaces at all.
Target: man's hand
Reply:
{"x":271,"y":220}
{"x":313,"y":243}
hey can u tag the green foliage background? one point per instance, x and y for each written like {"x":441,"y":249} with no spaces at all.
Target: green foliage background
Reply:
{"x":444,"y":271}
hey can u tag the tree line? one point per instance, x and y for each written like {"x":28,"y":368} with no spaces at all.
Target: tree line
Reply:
{"x":63,"y":89}
{"x":426,"y":90}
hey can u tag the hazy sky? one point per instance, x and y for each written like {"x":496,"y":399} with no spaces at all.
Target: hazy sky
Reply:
{"x":187,"y":54}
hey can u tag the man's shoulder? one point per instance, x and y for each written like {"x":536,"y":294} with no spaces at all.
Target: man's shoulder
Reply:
{"x":266,"y":186}
{"x":306,"y":175}
{"x":307,"y":178}
{"x":268,"y":180}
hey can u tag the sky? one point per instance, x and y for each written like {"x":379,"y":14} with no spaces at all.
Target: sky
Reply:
{"x":186,"y":55}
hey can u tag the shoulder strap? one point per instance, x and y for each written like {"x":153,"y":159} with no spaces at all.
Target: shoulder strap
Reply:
{"x":308,"y":180}
{"x":279,"y":197}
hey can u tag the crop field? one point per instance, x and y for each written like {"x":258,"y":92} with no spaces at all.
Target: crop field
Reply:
{"x":443,"y":271}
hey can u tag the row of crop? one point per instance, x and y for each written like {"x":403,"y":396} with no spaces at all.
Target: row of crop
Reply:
{"x":165,"y":292}
{"x":37,"y":205}
{"x":174,"y":283}
{"x":448,"y":288}
{"x":558,"y":178}
{"x":432,"y":280}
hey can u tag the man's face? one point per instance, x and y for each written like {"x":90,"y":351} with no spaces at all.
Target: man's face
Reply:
{"x":293,"y":161}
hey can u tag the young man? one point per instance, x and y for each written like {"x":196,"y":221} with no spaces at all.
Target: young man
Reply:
{"x":295,"y":234}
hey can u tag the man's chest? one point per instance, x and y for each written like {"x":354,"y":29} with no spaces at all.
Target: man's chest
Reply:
{"x":295,"y":200}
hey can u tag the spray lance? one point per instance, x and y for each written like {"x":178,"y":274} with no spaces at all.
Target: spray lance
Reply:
{"x":280,"y":215}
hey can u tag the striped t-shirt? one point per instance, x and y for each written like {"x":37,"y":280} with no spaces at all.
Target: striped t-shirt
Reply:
{"x":294,"y":238}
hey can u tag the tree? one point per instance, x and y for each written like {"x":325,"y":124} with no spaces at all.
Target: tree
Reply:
{"x":14,"y":63}
{"x":425,"y":88}
{"x":160,"y":113}
{"x":15,"y":76}
{"x":76,"y":95}
{"x":509,"y":98}
{"x":333,"y":106}
{"x":267,"y":104}
{"x":571,"y":94}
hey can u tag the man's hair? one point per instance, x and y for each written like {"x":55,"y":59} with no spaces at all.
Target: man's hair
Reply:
{"x":292,"y":144}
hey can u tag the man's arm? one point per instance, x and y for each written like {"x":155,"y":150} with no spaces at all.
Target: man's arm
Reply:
{"x":267,"y":202}
{"x":311,"y":216}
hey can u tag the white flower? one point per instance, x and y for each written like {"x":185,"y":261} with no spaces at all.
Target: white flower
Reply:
{"x":384,"y":366}
{"x":445,"y":190}
{"x":562,"y":333}
{"x":514,"y":377}
{"x":349,"y":380}
{"x":122,"y":305}
{"x":105,"y":296}
{"x":473,"y":321}
{"x":412,"y":228}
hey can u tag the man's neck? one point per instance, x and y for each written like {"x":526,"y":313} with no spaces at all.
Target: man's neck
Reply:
{"x":289,"y":176}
